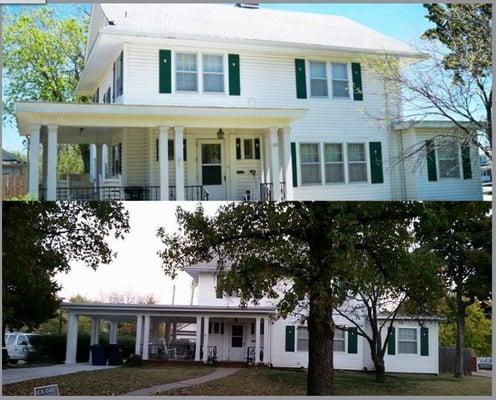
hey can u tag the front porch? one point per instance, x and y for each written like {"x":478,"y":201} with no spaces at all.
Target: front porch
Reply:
{"x":181,"y":333}
{"x":160,"y":152}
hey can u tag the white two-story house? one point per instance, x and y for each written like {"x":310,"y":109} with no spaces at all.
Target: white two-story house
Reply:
{"x":196,"y":102}
{"x":215,"y":326}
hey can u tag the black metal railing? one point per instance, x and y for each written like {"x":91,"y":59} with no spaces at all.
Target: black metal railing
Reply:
{"x":267,"y":191}
{"x":191,"y":193}
{"x":177,"y":351}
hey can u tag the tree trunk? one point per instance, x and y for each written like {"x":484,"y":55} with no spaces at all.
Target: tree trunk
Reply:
{"x":380,"y":369}
{"x":378,"y":356}
{"x":320,"y":379}
{"x":460,"y":332}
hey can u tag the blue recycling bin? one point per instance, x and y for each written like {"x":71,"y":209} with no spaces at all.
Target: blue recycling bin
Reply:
{"x":98,"y":354}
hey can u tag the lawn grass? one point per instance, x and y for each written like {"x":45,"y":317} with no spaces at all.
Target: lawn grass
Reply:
{"x":263,"y":382}
{"x":109,"y":382}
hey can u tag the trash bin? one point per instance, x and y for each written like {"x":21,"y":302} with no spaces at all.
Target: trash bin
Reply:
{"x":98,"y":354}
{"x":114,"y":354}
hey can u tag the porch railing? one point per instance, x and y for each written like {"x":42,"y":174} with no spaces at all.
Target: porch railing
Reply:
{"x":133,"y":193}
{"x":267,"y":191}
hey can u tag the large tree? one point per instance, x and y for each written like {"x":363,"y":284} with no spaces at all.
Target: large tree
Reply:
{"x":259,"y":245}
{"x":460,"y":234}
{"x":43,"y":57}
{"x":41,"y":239}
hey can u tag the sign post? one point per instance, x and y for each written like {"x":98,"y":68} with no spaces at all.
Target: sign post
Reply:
{"x":49,"y":390}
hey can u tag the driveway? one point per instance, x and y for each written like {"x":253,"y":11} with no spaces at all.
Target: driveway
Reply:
{"x":12,"y":375}
{"x":486,"y":373}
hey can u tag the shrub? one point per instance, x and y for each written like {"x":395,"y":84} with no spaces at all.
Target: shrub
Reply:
{"x":133,"y":361}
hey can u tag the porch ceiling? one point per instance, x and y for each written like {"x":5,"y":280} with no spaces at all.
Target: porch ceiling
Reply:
{"x":121,"y":116}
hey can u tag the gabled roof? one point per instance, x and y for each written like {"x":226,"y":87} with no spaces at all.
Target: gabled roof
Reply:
{"x":226,"y":22}
{"x":10,"y":158}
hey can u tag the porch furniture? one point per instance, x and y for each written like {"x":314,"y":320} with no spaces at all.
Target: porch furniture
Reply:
{"x":212,"y":354}
{"x":250,"y":355}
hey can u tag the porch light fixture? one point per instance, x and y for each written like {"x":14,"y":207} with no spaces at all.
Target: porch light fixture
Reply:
{"x":220,"y":134}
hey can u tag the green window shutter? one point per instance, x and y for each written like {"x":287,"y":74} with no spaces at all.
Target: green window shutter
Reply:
{"x":234,"y":79}
{"x":431,"y":160}
{"x":356,"y":73}
{"x":290,"y":338}
{"x":170,"y":149}
{"x":294,"y":164}
{"x":156,"y":148}
{"x":301,"y":80}
{"x":164,"y":67}
{"x":424,"y":341}
{"x":184,"y":150}
{"x":466,"y":162}
{"x":352,"y":341}
{"x":391,"y":346}
{"x":113,"y":83}
{"x":238,"y":149}
{"x":257,"y":149}
{"x":376,"y":162}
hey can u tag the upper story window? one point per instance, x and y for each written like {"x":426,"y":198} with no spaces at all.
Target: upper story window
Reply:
{"x":310,"y":163}
{"x":118,"y":76}
{"x":357,"y":164}
{"x":213,"y":73}
{"x":339,"y":340}
{"x":407,"y":341}
{"x":96,"y":96}
{"x":340,"y":80}
{"x":318,"y":79}
{"x":107,"y":96}
{"x":186,"y":72}
{"x":449,"y":159}
{"x":334,"y":162}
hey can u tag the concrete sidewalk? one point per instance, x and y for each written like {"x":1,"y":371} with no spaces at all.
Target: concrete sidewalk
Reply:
{"x":12,"y":375}
{"x":217,"y":374}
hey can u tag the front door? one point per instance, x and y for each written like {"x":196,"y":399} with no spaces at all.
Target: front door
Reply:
{"x":211,"y":168}
{"x":237,"y":348}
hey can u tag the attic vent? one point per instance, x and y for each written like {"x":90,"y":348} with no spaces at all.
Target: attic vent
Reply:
{"x":254,"y":6}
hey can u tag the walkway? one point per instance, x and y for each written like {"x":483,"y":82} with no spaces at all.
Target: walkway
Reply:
{"x":217,"y":374}
{"x":16,"y":374}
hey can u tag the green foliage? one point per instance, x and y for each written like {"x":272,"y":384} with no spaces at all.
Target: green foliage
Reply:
{"x":478,"y":331}
{"x":134,"y":361}
{"x":70,"y":160}
{"x":40,"y":239}
{"x":43,"y":56}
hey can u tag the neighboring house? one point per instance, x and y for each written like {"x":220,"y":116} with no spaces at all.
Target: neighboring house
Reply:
{"x":12,"y":165}
{"x":215,"y":326}
{"x":196,"y":102}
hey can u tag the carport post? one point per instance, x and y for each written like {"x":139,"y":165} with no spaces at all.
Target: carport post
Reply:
{"x":139,"y":329}
{"x":72,"y":337}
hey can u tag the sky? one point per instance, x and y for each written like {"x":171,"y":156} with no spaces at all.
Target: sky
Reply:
{"x":136,"y":270}
{"x":405,"y":22}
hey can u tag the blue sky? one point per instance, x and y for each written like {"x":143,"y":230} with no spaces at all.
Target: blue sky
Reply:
{"x":401,"y":21}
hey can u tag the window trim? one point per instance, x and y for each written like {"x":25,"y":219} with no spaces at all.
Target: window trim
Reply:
{"x":119,"y":58}
{"x":309,"y":79}
{"x":224,"y":74}
{"x":417,"y":340}
{"x":366,"y":162}
{"x":348,"y":75}
{"x":438,"y":162}
{"x":198,"y":69}
{"x":345,"y":340}
{"x":297,"y":328}
{"x":330,"y":91}
{"x":334,"y":162}
{"x":300,"y":169}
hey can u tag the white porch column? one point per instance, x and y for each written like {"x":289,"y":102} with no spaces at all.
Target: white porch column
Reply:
{"x":198,"y":338}
{"x":99,"y":162}
{"x":34,"y":157}
{"x":257,"y":340}
{"x":287,"y":166}
{"x":274,"y":164}
{"x":179,"y":161}
{"x":205,"y":339}
{"x":92,"y":335}
{"x":51,"y":178}
{"x":267,"y":153}
{"x":72,"y":337}
{"x":163,"y":162}
{"x":146,"y":337}
{"x":267,"y":341}
{"x":139,"y":330}
{"x":93,"y":172}
{"x":113,"y":332}
{"x":174,"y":331}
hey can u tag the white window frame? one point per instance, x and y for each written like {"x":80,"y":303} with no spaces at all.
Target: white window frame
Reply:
{"x":297,"y":328}
{"x":345,"y":340}
{"x":324,"y":162}
{"x":366,"y":161}
{"x":417,"y":340}
{"x":348,"y":75}
{"x":300,"y":169}
{"x":438,"y":162}
{"x":309,"y":78}
{"x":224,"y":74}
{"x":199,"y":82}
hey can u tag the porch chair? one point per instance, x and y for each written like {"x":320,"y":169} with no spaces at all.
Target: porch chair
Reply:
{"x":111,"y":188}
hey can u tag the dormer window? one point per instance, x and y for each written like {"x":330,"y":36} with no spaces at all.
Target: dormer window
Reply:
{"x":186,"y":72}
{"x":118,"y":76}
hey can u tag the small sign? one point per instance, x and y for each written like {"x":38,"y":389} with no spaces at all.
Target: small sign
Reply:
{"x":49,"y":390}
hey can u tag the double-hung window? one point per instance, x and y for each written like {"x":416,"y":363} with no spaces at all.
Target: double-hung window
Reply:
{"x":334,"y":163}
{"x":357,"y":164}
{"x":340,"y":87}
{"x":407,"y":341}
{"x":302,"y":343}
{"x":318,"y":79}
{"x":339,"y":340}
{"x":186,"y":72}
{"x":310,"y":164}
{"x":449,"y":161}
{"x":213,"y":73}
{"x":118,"y":76}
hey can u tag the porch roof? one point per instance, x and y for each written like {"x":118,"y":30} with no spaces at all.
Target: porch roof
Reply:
{"x":161,"y":309}
{"x":84,"y":115}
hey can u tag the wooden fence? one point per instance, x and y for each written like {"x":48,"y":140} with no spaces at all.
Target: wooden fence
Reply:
{"x":447,"y":360}
{"x":13,"y":186}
